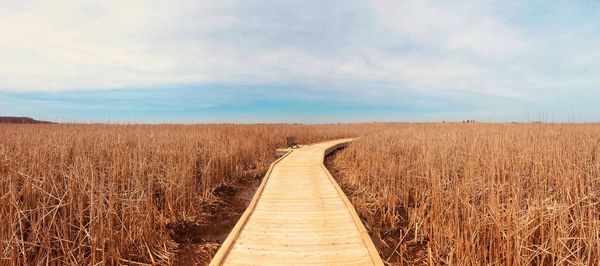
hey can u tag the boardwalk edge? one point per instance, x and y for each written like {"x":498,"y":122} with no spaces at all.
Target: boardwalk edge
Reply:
{"x":357,"y":221}
{"x":233,"y":235}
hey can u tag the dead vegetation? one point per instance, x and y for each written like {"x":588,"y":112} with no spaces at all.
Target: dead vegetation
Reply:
{"x":478,"y":194}
{"x":109,"y":194}
{"x":467,"y":194}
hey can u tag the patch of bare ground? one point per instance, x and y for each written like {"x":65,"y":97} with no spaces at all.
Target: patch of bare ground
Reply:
{"x":200,"y":239}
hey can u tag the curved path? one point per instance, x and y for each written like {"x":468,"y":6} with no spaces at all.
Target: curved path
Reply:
{"x":299,"y":215}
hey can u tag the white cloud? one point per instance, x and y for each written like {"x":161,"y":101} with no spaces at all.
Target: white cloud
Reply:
{"x":468,"y":26}
{"x":437,"y":47}
{"x":52,"y":45}
{"x":462,"y":47}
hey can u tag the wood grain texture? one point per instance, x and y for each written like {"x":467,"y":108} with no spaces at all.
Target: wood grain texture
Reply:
{"x":299,"y":215}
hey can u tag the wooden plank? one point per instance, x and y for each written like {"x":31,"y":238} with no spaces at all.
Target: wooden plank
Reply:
{"x":343,"y":262}
{"x":361,"y":228}
{"x":226,"y":246}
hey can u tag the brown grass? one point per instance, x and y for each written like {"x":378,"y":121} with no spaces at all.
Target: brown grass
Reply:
{"x":89,"y":194}
{"x":434,"y":194}
{"x":479,"y":194}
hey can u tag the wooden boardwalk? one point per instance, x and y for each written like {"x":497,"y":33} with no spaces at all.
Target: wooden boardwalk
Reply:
{"x":299,"y":215}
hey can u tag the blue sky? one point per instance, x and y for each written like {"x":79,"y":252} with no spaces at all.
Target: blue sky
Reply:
{"x":299,"y":61}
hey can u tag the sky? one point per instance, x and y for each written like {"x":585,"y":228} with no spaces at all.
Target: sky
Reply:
{"x":300,"y":61}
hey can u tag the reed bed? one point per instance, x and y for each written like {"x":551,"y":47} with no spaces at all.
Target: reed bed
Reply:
{"x":432,"y":194}
{"x":103,"y":194}
{"x":478,"y":194}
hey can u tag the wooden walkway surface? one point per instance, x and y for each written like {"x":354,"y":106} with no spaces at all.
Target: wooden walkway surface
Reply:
{"x":299,"y":215}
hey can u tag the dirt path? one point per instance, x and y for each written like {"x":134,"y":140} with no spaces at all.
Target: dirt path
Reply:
{"x":199,"y":240}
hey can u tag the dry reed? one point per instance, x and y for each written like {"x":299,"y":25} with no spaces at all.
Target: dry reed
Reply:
{"x":436,"y":194}
{"x":90,"y":194}
{"x":479,"y":194}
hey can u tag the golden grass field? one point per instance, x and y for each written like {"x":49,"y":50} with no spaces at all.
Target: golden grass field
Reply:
{"x":478,"y":194}
{"x":88,"y":194}
{"x":431,"y":193}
